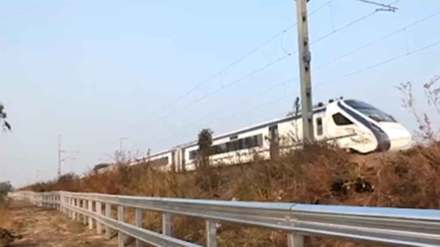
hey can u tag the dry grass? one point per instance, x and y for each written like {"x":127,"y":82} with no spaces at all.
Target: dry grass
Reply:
{"x":320,"y":175}
{"x":5,"y":216}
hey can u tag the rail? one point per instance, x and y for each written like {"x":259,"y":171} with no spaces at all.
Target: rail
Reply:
{"x":402,"y":227}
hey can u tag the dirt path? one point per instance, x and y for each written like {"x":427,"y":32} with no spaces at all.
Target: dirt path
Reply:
{"x":48,"y":228}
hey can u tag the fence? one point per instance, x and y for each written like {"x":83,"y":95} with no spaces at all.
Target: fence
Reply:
{"x":403,"y":227}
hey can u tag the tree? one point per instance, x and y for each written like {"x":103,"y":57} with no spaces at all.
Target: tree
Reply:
{"x":5,"y":188}
{"x":5,"y":124}
{"x":205,"y":147}
{"x":426,"y":131}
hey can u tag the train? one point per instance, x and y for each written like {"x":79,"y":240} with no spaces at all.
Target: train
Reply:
{"x":350,"y":124}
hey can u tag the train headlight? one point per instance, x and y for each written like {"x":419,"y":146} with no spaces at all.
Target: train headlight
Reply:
{"x":360,"y":137}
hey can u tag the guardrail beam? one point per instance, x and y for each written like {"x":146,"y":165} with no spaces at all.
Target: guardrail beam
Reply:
{"x":389,"y":226}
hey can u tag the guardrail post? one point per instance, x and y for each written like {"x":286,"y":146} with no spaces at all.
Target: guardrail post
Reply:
{"x":62,"y":204}
{"x":67,"y":206}
{"x":108,"y":214}
{"x":211,"y":233}
{"x":99,"y":213}
{"x":84,"y":206}
{"x":138,"y":220}
{"x":73,"y":200}
{"x":166,"y":224}
{"x":90,"y":208}
{"x":121,"y":236}
{"x":295,"y":240}
{"x":69,"y":212}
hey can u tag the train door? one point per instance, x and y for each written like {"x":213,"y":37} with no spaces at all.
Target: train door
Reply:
{"x":340,"y":127}
{"x":320,"y":129}
{"x":274,"y":139}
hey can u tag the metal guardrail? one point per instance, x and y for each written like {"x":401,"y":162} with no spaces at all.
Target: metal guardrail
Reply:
{"x":402,"y":227}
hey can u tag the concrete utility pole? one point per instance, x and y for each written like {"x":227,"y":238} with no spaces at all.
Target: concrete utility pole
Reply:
{"x":304,"y":71}
{"x":60,"y":159}
{"x":121,"y":143}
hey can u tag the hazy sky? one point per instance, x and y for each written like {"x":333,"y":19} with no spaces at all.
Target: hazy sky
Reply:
{"x":96,"y":71}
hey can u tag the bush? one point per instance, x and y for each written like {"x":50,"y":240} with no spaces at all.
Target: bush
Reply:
{"x":5,"y":188}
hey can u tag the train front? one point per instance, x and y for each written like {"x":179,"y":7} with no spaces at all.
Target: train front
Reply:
{"x":390,"y":134}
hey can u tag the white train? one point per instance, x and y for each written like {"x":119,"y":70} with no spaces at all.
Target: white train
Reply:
{"x":350,"y":124}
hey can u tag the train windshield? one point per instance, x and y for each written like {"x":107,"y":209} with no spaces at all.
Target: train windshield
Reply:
{"x":370,"y":111}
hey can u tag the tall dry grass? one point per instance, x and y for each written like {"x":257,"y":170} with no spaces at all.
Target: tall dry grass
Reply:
{"x":5,"y":216}
{"x":318,"y":175}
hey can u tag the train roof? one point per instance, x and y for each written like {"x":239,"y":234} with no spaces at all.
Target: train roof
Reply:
{"x":256,"y":126}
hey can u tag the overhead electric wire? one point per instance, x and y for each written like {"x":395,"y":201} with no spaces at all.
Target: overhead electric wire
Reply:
{"x":386,"y":36}
{"x":345,"y":26}
{"x":394,"y":58}
{"x":381,"y":63}
{"x":385,"y":7}
{"x":242,"y":58}
{"x":320,"y":39}
{"x":279,"y":83}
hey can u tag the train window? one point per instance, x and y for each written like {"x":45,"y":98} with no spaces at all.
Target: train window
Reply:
{"x":319,"y":127}
{"x":239,"y":144}
{"x":242,"y":143}
{"x":370,"y":111}
{"x":259,"y":140}
{"x":193,"y":154}
{"x":341,"y":119}
{"x":160,"y":162}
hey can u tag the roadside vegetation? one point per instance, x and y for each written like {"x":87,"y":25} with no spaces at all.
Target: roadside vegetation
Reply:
{"x":3,"y":122}
{"x":5,"y":188}
{"x":6,"y":237}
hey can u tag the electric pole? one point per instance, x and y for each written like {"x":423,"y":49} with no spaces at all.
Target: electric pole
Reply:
{"x":304,"y":71}
{"x":121,"y":140}
{"x":60,"y":160}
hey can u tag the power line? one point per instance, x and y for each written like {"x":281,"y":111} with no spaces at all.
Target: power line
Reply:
{"x":233,"y":63}
{"x":386,"y":36}
{"x":320,"y":39}
{"x":248,"y":75}
{"x":243,"y":57}
{"x":383,"y":7}
{"x":391,"y":59}
{"x":345,"y":26}
{"x":256,"y":71}
{"x":211,"y":113}
{"x":265,"y":91}
{"x":384,"y":62}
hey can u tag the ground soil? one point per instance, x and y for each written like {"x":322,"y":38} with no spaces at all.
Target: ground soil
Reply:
{"x":39,"y":227}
